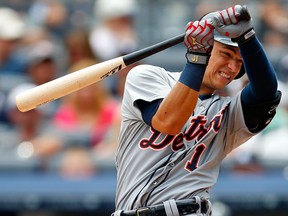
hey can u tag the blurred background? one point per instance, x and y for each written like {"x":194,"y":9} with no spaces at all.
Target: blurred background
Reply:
{"x":58,"y":159}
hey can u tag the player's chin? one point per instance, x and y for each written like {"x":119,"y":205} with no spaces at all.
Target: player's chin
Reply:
{"x":222,"y":81}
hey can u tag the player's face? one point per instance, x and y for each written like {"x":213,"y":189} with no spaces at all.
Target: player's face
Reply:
{"x":224,"y":65}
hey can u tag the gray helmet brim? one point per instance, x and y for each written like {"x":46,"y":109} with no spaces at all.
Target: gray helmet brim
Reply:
{"x":224,"y":40}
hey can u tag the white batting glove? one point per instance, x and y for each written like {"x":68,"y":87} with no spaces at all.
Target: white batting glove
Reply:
{"x":199,"y":39}
{"x":199,"y":36}
{"x":234,"y":22}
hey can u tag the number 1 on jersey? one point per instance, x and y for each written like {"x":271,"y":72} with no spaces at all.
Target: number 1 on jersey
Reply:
{"x":193,"y":163}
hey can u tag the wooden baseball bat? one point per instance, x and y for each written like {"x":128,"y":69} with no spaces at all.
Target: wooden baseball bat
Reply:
{"x":69,"y":83}
{"x":72,"y":82}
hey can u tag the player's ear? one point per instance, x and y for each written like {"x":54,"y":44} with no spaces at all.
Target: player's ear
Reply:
{"x":241,"y":73}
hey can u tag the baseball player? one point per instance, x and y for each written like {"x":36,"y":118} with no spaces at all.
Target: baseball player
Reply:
{"x":176,"y":131}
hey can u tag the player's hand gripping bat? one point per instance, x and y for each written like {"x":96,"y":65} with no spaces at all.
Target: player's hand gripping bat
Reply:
{"x":69,"y":83}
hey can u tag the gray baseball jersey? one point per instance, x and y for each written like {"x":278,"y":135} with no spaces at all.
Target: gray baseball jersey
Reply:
{"x":154,"y":167}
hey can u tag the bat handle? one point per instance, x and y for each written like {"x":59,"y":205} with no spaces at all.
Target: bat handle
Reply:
{"x":244,"y":14}
{"x":143,"y":53}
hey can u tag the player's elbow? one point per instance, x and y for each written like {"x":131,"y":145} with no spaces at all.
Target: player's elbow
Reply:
{"x":172,"y":131}
{"x":166,"y":127}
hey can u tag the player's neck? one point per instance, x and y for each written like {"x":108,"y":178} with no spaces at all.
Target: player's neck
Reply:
{"x":205,"y":96}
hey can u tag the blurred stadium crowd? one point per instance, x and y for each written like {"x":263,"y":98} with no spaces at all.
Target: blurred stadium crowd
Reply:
{"x":76,"y":136}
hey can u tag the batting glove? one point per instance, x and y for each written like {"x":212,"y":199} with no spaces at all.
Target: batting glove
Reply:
{"x":234,"y":22}
{"x":199,"y":39}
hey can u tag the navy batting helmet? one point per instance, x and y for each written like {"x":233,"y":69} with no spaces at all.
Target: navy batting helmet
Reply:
{"x":226,"y":40}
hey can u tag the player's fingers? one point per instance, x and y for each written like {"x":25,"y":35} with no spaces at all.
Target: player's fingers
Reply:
{"x":206,"y":37}
{"x":199,"y":35}
{"x":229,"y":15}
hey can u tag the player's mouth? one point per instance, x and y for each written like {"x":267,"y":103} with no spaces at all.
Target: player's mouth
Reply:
{"x":225,"y":75}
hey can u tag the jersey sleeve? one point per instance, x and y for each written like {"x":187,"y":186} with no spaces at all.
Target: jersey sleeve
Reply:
{"x":237,"y":132}
{"x":244,"y":121}
{"x":148,"y":83}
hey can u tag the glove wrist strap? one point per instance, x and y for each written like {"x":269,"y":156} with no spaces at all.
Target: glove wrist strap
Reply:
{"x":244,"y":37}
{"x":192,"y":75}
{"x":197,"y":58}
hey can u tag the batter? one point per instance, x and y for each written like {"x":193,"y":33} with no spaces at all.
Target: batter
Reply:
{"x":176,"y":131}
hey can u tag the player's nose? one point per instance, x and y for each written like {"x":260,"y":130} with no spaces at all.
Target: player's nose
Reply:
{"x":234,"y":65}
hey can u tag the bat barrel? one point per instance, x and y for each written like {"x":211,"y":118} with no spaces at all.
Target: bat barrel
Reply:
{"x":67,"y":84}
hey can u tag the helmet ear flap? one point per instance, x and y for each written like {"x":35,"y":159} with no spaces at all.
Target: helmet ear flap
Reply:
{"x":241,"y":73}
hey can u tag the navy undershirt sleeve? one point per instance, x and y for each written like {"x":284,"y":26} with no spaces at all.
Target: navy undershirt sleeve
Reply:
{"x":148,"y":109}
{"x":260,"y":97}
{"x":262,"y":84}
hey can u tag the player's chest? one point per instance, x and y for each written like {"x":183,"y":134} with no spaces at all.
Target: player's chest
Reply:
{"x":196,"y":129}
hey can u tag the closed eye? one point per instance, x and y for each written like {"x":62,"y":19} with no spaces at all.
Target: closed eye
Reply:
{"x":226,"y":54}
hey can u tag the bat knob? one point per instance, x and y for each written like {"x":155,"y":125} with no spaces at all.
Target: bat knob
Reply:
{"x":244,"y":14}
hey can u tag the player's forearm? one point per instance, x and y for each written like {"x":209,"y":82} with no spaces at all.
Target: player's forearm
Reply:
{"x":262,"y":79}
{"x":175,"y":109}
{"x":179,"y":104}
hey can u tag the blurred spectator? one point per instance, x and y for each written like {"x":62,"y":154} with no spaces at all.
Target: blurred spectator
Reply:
{"x":205,"y":7}
{"x":80,"y":14}
{"x":50,"y":14}
{"x":283,"y":68}
{"x":26,"y":123}
{"x":77,"y":163}
{"x":277,"y":17}
{"x":274,"y":148}
{"x":19,"y":139}
{"x":90,"y":116}
{"x":114,"y":35}
{"x":2,"y":111}
{"x":274,"y":24}
{"x":38,"y":42}
{"x":12,"y":29}
{"x":78,"y":46}
{"x":42,"y":66}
